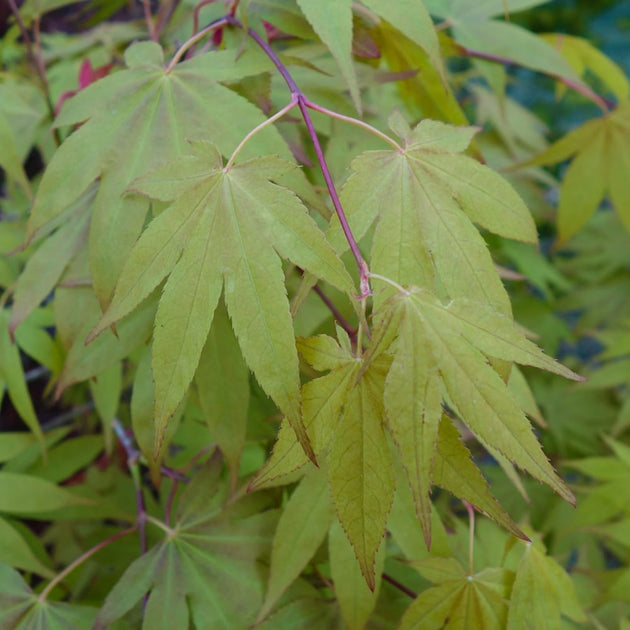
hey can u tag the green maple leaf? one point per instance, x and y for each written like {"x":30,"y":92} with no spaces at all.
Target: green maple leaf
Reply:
{"x":205,"y":570}
{"x":426,"y":198}
{"x":22,"y":609}
{"x":225,"y":229}
{"x":133,"y":121}
{"x":542,"y":593}
{"x":343,"y":415}
{"x":599,"y":167}
{"x":456,"y":341}
{"x":459,"y":600}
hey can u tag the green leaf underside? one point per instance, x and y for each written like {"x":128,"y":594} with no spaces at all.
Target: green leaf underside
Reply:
{"x":133,"y":126}
{"x":426,"y":199}
{"x":225,"y":230}
{"x":476,"y":392}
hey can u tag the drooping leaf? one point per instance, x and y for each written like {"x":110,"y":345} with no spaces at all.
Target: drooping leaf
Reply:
{"x":15,"y":551}
{"x":584,"y":57}
{"x":234,"y":224}
{"x":333,"y":24}
{"x":457,"y":600}
{"x":413,"y":400}
{"x":542,"y":594}
{"x":455,"y":471}
{"x":412,"y":19}
{"x":25,"y":494}
{"x":601,"y":157}
{"x":222,"y":381}
{"x":461,"y":337}
{"x":12,"y":376}
{"x":133,"y":126}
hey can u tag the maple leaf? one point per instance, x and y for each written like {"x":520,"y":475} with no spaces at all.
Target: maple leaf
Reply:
{"x":130,"y":125}
{"x":22,"y":609}
{"x":343,"y":415}
{"x":459,"y":600}
{"x":456,"y":341}
{"x":599,"y":166}
{"x":205,"y":569}
{"x":426,"y":198}
{"x":542,"y":593}
{"x":224,"y":228}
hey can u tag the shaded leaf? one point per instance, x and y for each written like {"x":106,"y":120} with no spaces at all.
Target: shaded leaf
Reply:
{"x":301,"y":529}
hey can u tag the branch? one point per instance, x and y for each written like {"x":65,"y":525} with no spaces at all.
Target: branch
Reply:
{"x":303,"y":103}
{"x":603,"y":103}
{"x":399,"y":586}
{"x":81,"y":559}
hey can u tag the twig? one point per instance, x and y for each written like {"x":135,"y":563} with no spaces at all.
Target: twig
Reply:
{"x":82,"y":558}
{"x":471,"y":535}
{"x":193,"y":40}
{"x":197,"y":9}
{"x":302,"y":103}
{"x":343,"y":322}
{"x":399,"y":586}
{"x":603,"y":103}
{"x":355,"y":121}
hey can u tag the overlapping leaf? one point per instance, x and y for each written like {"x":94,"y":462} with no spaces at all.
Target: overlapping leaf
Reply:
{"x":229,"y":227}
{"x":456,"y":341}
{"x":204,"y":573}
{"x":137,"y":119}
{"x":599,"y":166}
{"x":459,"y":600}
{"x":542,"y":593}
{"x":426,"y":199}
{"x":343,"y":415}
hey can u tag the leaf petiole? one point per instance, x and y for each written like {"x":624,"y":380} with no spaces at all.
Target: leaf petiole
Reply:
{"x":391,"y":283}
{"x":279,"y":114}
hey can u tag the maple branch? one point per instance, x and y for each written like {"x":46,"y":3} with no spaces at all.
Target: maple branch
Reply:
{"x":603,"y":103}
{"x":401,"y":587}
{"x":303,"y":103}
{"x":196,"y":11}
{"x":343,"y":322}
{"x":81,"y":559}
{"x":181,"y":51}
{"x":279,"y":114}
{"x":355,"y":121}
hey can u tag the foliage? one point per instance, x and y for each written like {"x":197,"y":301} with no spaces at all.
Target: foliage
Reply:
{"x":270,"y":272}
